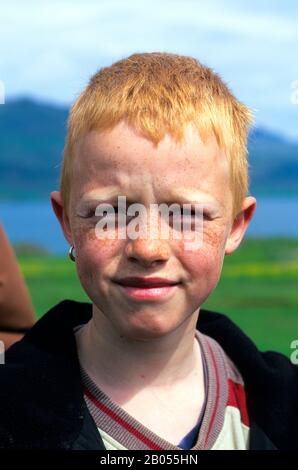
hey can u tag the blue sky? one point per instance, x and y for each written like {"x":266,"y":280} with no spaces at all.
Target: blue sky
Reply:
{"x":49,"y":49}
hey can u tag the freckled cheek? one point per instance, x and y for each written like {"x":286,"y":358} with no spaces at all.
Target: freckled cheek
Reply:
{"x":205,"y":263}
{"x":94,"y":255}
{"x":202,"y":264}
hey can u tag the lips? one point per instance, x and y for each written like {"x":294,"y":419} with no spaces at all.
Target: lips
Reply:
{"x":145,"y":282}
{"x":140,"y":289}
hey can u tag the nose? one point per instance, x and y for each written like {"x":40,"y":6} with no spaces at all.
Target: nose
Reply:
{"x":150,"y":245}
{"x":147,"y":251}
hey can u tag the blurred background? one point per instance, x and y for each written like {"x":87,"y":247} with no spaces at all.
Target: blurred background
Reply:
{"x":49,"y":50}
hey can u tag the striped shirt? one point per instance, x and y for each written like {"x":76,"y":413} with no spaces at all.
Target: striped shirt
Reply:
{"x":223,"y":424}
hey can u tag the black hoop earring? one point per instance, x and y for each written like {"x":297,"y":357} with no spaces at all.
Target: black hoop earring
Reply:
{"x":72,"y":253}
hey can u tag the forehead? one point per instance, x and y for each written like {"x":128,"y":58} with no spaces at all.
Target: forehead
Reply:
{"x":122,"y":160}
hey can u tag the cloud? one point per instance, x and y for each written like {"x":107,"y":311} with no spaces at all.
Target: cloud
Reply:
{"x":49,"y":49}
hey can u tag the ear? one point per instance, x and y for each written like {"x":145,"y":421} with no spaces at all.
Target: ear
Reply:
{"x":240,"y":224}
{"x":61,"y":215}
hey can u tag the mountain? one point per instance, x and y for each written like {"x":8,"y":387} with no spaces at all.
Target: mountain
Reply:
{"x":31,"y":144}
{"x":273,"y":162}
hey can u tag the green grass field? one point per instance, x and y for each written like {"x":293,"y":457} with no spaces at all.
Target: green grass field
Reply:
{"x":258,"y":289}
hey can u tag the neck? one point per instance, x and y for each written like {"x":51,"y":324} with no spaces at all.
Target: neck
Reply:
{"x":113,"y":360}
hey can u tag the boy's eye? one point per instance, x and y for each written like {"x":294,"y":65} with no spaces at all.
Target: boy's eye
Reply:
{"x":192,"y":213}
{"x":92,"y":213}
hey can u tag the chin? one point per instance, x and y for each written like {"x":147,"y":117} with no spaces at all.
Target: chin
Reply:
{"x":143,"y":327}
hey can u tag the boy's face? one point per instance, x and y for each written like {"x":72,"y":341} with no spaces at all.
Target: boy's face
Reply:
{"x":123,"y":161}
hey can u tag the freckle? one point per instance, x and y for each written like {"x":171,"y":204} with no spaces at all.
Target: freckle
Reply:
{"x":163,"y":252}
{"x":92,"y":235}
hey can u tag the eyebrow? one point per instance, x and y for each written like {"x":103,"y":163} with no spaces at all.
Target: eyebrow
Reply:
{"x":187,"y":196}
{"x":101,"y":194}
{"x":193,"y":196}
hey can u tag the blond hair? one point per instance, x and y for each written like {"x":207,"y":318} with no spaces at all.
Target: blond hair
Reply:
{"x":158,"y":93}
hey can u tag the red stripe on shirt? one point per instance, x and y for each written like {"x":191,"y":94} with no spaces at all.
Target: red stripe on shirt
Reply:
{"x":216,"y":396}
{"x":237,"y":398}
{"x":121,"y":421}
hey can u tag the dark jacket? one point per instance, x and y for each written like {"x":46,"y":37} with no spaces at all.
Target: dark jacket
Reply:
{"x":41,"y":397}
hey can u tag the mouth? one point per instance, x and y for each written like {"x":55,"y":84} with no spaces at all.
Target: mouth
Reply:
{"x":147,"y":288}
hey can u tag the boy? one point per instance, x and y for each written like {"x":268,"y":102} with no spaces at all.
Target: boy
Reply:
{"x":144,"y":367}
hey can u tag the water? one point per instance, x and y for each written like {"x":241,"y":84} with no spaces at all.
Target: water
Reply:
{"x":35,"y":222}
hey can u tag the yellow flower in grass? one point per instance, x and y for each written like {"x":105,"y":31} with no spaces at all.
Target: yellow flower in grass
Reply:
{"x":262,"y":270}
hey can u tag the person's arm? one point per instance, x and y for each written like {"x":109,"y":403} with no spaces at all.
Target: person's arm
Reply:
{"x":16,"y":309}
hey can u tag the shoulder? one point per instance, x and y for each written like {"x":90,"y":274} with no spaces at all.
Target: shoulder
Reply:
{"x":270,"y":378}
{"x":241,"y":349}
{"x":40,"y":386}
